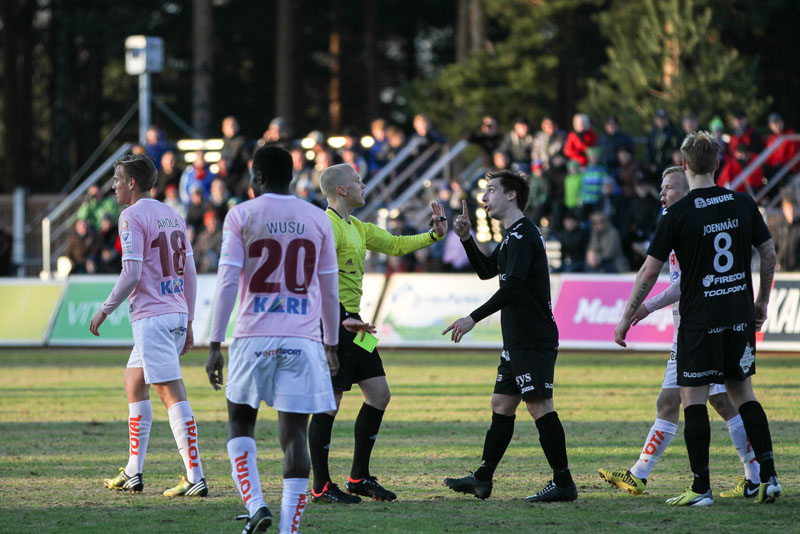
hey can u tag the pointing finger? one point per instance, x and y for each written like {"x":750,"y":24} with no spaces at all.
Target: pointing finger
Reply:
{"x":464,"y":207}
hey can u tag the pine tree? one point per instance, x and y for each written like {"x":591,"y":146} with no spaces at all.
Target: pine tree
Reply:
{"x":667,"y":54}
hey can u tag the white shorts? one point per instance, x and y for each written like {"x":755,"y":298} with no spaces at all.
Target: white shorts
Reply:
{"x":671,"y":377}
{"x":290,"y":374}
{"x":157,"y":345}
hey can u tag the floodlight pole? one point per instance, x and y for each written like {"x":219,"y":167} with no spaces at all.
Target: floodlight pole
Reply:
{"x":145,"y":99}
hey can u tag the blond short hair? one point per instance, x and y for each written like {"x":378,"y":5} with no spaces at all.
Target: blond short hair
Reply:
{"x":700,"y":151}
{"x":333,"y":177}
{"x":677,"y":169}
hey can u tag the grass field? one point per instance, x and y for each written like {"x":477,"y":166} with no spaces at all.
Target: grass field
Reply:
{"x":62,"y":430}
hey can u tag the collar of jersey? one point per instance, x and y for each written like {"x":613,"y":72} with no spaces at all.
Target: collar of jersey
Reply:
{"x":337,"y":213}
{"x":277,"y":195}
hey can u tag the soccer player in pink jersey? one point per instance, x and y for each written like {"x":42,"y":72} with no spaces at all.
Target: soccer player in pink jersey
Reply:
{"x":280,"y":253}
{"x":161,"y":286}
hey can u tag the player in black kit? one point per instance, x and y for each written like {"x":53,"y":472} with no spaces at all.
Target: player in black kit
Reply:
{"x":712,"y":231}
{"x":530,"y":338}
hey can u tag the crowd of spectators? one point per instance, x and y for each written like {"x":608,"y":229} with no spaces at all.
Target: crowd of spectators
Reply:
{"x":595,"y":194}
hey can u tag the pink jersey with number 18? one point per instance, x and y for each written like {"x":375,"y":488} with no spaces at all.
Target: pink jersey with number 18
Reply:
{"x":153,"y":233}
{"x":282,"y":244}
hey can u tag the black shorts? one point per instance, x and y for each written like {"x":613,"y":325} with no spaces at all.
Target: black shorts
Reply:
{"x":355,"y":364}
{"x":527,"y":372}
{"x":717,"y":354}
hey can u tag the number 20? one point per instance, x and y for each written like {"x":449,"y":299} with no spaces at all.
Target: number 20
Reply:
{"x":259,"y":284}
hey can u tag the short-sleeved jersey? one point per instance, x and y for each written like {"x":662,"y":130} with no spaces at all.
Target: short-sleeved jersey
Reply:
{"x":353,"y":239}
{"x":153,"y":233}
{"x":527,"y":321}
{"x":712,"y":231}
{"x":282,"y":244}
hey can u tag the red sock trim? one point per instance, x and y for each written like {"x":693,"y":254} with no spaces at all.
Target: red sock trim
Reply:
{"x":354,"y":481}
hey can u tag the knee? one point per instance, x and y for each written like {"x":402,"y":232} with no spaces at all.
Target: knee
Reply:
{"x":380,"y":399}
{"x":503,"y":408}
{"x":668,"y":407}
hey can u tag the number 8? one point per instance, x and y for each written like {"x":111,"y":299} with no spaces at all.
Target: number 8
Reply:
{"x":723,"y":252}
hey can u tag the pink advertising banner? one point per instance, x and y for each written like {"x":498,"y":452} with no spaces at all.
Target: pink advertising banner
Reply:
{"x":589,"y":307}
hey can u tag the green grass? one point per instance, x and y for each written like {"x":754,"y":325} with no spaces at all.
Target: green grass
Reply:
{"x":62,"y":430}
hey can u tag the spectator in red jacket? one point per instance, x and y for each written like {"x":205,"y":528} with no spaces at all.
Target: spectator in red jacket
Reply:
{"x":785,"y":152}
{"x":745,"y":138}
{"x":579,"y":139}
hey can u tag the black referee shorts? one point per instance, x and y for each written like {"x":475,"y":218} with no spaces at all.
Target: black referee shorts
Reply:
{"x":717,"y":354}
{"x":355,"y":364}
{"x":527,"y":372}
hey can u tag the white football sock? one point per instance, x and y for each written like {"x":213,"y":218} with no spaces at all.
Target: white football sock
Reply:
{"x":743,"y":449}
{"x":658,"y":439}
{"x":140,"y":419}
{"x":293,"y":503}
{"x":244,"y":471}
{"x":184,"y":429}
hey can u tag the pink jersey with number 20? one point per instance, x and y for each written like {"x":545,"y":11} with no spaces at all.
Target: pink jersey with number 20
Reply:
{"x":282,"y":244}
{"x":153,"y":233}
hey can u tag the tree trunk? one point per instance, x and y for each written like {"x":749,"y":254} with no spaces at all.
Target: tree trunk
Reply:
{"x":25,"y":112}
{"x":477,"y":26}
{"x":62,"y":89}
{"x":462,"y":30}
{"x":202,"y":67}
{"x":284,"y":60}
{"x":10,"y":103}
{"x":335,"y":51}
{"x":370,"y":12}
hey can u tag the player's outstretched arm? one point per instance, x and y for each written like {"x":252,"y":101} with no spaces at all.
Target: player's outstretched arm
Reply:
{"x":380,"y":240}
{"x":128,"y":278}
{"x":645,"y":279}
{"x":668,"y":297}
{"x":766,"y":251}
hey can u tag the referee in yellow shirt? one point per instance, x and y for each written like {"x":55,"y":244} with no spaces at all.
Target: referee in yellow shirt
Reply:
{"x":344,"y":190}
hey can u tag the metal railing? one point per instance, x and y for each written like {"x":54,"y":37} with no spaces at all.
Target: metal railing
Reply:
{"x":50,"y":235}
{"x":761,"y":158}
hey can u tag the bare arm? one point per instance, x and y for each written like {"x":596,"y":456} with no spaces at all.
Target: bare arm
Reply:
{"x":768,"y":260}
{"x":645,"y":279}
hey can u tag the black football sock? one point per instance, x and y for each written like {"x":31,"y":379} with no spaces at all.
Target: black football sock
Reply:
{"x":368,"y":423}
{"x":697,"y":433}
{"x":757,"y":427}
{"x":554,"y":445}
{"x":494,"y":446}
{"x":319,"y":444}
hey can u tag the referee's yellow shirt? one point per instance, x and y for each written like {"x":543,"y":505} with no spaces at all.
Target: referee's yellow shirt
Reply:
{"x":353,"y":239}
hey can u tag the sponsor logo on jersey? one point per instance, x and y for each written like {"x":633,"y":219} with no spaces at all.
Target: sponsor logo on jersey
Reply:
{"x":499,"y":377}
{"x":226,"y":236}
{"x":277,"y":353}
{"x":703,"y":203}
{"x":725,"y":291}
{"x":505,"y":356}
{"x":748,"y":359}
{"x":674,"y":275}
{"x":738,"y":327}
{"x":126,"y":240}
{"x":280,"y":304}
{"x":713,"y":228}
{"x":172,"y":286}
{"x":710,"y":279}
{"x":124,"y":225}
{"x":515,"y":234}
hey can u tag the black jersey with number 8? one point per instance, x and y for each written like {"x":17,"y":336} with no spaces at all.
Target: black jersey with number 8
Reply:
{"x":712,"y":231}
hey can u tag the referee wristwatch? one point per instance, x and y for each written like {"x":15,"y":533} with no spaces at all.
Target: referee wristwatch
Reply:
{"x":434,"y":236}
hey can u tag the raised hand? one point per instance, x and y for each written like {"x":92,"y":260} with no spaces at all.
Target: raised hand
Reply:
{"x":438,"y":219}
{"x":352,"y":324}
{"x":462,"y":226}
